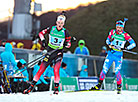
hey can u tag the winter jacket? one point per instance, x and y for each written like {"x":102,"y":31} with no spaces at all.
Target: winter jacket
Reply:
{"x":23,"y":71}
{"x":63,"y":73}
{"x":83,"y":73}
{"x":7,"y":57}
{"x":49,"y":72}
{"x":81,"y":49}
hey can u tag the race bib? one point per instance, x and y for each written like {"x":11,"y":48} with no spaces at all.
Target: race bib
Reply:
{"x":118,"y":43}
{"x":56,"y":41}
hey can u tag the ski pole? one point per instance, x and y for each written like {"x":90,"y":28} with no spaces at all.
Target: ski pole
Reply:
{"x":73,"y":39}
{"x":36,"y":60}
{"x":33,"y":63}
{"x":135,"y":53}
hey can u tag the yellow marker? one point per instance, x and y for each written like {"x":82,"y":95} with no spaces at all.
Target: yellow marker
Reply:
{"x":45,"y":59}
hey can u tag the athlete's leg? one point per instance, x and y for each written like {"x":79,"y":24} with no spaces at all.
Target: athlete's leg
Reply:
{"x":43,"y":66}
{"x":56,"y":74}
{"x":118,"y":78}
{"x":118,"y":64}
{"x":46,"y":61}
{"x":107,"y":63}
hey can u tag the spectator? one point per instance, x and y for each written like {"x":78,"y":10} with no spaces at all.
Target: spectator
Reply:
{"x":13,"y":44}
{"x":104,"y":51}
{"x":3,"y":42}
{"x":21,"y":84}
{"x":8,"y":59}
{"x":20,"y":45}
{"x":81,"y":49}
{"x":84,"y":72}
{"x":62,"y":70}
{"x":36,"y":45}
{"x":41,"y":83}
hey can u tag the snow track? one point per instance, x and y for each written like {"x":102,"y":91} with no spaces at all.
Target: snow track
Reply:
{"x":93,"y":96}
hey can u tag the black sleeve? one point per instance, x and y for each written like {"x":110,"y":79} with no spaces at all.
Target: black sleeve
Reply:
{"x":49,"y":29}
{"x":67,"y":36}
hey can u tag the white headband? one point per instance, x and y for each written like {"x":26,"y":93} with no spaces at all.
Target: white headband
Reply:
{"x":61,"y":18}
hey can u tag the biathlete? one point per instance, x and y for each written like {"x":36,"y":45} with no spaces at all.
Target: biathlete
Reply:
{"x":58,"y":38}
{"x":116,"y":42}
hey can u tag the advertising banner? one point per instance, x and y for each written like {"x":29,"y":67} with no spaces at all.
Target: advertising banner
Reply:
{"x":130,"y":84}
{"x":69,"y":83}
{"x":86,"y":83}
{"x":110,"y":83}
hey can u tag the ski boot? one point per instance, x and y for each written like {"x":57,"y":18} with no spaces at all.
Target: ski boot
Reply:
{"x":56,"y":91}
{"x":0,"y":91}
{"x":30,"y":88}
{"x":98,"y":86}
{"x":119,"y":89}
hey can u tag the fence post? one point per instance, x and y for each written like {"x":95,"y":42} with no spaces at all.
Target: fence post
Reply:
{"x":95,"y":69}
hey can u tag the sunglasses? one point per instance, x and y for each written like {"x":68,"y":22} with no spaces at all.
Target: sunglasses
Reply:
{"x":119,"y":23}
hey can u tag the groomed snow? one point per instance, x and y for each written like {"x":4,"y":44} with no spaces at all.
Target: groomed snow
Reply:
{"x":93,"y":96}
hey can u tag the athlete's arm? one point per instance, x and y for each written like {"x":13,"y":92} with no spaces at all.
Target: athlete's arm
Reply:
{"x":108,"y":40}
{"x":131,"y":41}
{"x":43,"y":32}
{"x":67,"y":39}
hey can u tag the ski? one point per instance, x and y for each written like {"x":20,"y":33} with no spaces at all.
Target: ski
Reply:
{"x":82,"y":91}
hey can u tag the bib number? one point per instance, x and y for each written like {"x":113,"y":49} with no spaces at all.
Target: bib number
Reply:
{"x":118,"y":43}
{"x":56,"y":41}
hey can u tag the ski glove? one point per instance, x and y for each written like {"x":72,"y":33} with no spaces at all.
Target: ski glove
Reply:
{"x":125,"y":48}
{"x":67,"y":45}
{"x":44,"y":52}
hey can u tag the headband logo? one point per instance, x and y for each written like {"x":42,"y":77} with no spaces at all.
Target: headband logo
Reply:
{"x":61,"y":18}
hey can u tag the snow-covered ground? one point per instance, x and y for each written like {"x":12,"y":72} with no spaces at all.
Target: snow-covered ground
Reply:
{"x":93,"y":96}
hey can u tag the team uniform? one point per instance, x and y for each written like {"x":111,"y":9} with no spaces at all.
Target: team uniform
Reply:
{"x":57,"y":40}
{"x":117,"y":40}
{"x":116,"y":54}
